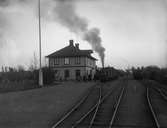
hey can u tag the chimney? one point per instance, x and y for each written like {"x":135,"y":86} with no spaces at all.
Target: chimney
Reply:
{"x":71,"y":42}
{"x":77,"y":45}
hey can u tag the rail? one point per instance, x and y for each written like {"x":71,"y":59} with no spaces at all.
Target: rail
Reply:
{"x":117,"y":106}
{"x":73,"y":109}
{"x":152,"y":111}
{"x":96,"y":106}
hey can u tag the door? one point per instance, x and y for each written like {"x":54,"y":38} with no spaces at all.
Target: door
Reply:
{"x":66,"y":74}
{"x":77,"y":74}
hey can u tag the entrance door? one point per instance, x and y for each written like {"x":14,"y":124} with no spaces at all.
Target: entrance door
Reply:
{"x":77,"y":74}
{"x":66,"y":74}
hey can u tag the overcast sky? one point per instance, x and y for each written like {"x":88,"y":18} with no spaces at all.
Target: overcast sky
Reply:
{"x":133,"y":32}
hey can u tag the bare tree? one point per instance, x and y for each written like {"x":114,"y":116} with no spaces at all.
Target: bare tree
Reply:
{"x":3,"y":70}
{"x":20,"y":68}
{"x":34,"y":63}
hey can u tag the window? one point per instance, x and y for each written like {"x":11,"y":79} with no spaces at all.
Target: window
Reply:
{"x":77,"y":60}
{"x":51,"y":62}
{"x":77,"y":73}
{"x":66,"y":61}
{"x":90,"y":62}
{"x":56,"y":61}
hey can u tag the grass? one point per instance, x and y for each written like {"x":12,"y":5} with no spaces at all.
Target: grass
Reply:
{"x":39,"y":108}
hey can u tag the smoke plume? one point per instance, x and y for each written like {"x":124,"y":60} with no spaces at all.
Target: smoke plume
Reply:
{"x":66,"y":15}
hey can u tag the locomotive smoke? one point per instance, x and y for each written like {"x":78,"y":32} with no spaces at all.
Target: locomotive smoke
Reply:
{"x":65,"y":14}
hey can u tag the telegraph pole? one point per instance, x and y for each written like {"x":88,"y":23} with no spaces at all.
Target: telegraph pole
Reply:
{"x":40,"y":63}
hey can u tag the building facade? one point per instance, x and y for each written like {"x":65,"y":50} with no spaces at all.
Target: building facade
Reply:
{"x":71,"y":63}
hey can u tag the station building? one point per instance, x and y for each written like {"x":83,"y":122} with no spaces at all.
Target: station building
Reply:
{"x":71,"y":63}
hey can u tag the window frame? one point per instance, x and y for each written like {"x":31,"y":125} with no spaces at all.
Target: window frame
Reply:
{"x":51,"y":62}
{"x":77,"y":72}
{"x":78,"y":60}
{"x":65,"y":61}
{"x":56,"y":61}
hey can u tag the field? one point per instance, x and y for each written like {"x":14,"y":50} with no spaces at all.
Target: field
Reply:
{"x":39,"y":107}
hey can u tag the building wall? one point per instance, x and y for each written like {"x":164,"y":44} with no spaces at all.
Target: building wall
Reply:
{"x":90,"y":62}
{"x":61,"y":72}
{"x":61,"y":62}
{"x":86,"y":67}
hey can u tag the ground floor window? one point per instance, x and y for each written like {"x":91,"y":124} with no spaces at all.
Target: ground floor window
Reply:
{"x":78,"y":73}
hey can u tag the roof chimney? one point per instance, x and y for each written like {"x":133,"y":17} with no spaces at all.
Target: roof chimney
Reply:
{"x":71,"y":42}
{"x":77,"y":45}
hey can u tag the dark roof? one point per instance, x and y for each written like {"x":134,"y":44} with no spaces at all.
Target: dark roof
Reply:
{"x":71,"y":51}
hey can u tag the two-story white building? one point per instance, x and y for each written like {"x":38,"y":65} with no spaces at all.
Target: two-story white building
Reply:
{"x":71,"y":63}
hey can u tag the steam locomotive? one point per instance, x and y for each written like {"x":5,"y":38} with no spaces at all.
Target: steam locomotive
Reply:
{"x":107,"y":74}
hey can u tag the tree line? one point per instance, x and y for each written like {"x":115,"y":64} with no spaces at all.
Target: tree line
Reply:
{"x":150,"y":73}
{"x":12,"y":74}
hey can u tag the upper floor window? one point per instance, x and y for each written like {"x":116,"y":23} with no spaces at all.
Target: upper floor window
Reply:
{"x":90,"y":62}
{"x":66,"y":61}
{"x":77,"y":60}
{"x":51,"y":62}
{"x":56,"y":61}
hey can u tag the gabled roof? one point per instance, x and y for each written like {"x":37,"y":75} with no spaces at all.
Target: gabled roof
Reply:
{"x":71,"y":51}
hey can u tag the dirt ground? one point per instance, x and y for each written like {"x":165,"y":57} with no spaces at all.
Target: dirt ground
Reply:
{"x":39,"y":108}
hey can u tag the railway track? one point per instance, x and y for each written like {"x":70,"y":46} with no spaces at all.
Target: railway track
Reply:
{"x":111,"y":110}
{"x":119,"y":122}
{"x":86,"y":105}
{"x":157,"y":100}
{"x":162,"y":92}
{"x":106,"y":114}
{"x":80,"y":108}
{"x":157,"y":125}
{"x":158,"y":87}
{"x":159,"y":105}
{"x":101,"y":114}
